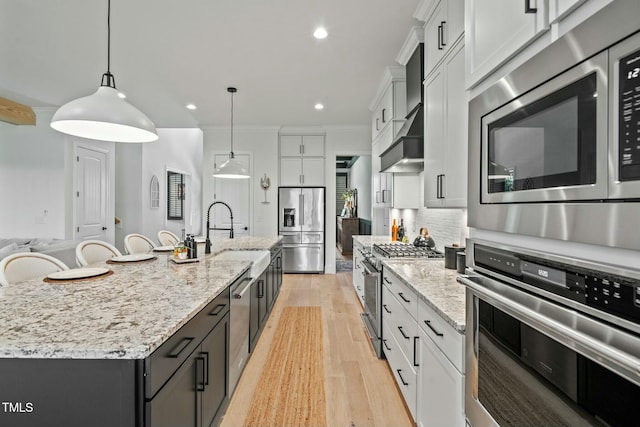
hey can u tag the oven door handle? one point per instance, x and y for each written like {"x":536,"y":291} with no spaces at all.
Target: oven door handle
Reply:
{"x":563,"y":325}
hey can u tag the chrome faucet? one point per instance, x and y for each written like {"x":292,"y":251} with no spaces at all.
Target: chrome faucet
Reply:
{"x":207,"y":247}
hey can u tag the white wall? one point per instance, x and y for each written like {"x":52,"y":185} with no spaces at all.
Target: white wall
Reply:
{"x":261,"y":143}
{"x":176,"y":149}
{"x":32,"y":179}
{"x":360,"y":179}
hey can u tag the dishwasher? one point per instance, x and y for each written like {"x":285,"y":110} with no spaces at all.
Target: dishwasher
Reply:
{"x":239,"y":333}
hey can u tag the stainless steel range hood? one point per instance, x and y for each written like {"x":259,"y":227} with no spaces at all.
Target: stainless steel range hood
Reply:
{"x":406,"y":154}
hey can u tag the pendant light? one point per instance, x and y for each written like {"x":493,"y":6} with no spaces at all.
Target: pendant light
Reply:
{"x":104,"y":115}
{"x":232,"y":168}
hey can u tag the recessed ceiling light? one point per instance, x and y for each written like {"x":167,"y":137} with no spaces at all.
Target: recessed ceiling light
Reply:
{"x":320,"y":33}
{"x":318,"y":106}
{"x":122,"y":95}
{"x":191,"y":107}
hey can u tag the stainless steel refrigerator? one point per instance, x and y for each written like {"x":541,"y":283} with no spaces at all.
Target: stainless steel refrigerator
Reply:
{"x":301,"y":222}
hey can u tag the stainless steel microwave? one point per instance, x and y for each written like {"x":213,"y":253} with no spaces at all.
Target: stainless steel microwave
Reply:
{"x":554,"y":146}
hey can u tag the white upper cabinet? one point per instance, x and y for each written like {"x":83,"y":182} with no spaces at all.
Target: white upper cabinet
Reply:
{"x":501,"y":35}
{"x":445,"y":142}
{"x":302,"y":160}
{"x":444,"y":25}
{"x":301,"y":145}
{"x":495,"y":30}
{"x":389,"y":106}
{"x":406,"y":191}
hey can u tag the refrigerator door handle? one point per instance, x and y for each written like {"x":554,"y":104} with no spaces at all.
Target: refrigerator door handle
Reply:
{"x":301,"y":207}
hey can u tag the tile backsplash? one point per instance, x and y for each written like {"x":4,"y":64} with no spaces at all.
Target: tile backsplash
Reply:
{"x":446,"y":226}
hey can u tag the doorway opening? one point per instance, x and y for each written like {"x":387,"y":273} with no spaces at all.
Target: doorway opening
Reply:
{"x":353,"y":205}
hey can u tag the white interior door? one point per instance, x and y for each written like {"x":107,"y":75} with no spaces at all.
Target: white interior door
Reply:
{"x":237,"y":194}
{"x":91,"y":194}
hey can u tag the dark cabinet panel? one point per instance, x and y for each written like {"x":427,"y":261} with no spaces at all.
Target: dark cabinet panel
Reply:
{"x":198,"y":390}
{"x":176,"y":403}
{"x":69,"y":392}
{"x":215,"y":388}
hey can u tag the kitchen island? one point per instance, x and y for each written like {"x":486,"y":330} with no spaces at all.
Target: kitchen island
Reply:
{"x":99,"y":351}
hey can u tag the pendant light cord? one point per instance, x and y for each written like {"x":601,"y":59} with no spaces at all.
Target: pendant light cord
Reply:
{"x":111,"y":80}
{"x":231,"y":91}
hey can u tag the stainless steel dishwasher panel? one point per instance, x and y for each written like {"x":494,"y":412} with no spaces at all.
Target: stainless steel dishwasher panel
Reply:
{"x":239,"y":330}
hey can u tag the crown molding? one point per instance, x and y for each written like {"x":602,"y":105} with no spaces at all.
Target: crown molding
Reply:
{"x":413,"y":40}
{"x":391,"y":73}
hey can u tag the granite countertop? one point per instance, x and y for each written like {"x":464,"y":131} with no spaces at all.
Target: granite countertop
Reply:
{"x":435,"y":285}
{"x":126,"y":315}
{"x":369,"y":241}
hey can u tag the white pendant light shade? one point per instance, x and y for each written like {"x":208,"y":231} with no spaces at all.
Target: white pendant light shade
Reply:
{"x":104,"y":116}
{"x":231,"y":169}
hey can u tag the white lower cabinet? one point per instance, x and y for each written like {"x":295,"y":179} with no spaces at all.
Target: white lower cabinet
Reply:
{"x":358,"y":278}
{"x":425,"y":355}
{"x":403,"y":371}
{"x":440,"y":388}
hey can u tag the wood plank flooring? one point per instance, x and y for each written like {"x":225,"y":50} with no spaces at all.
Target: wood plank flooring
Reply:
{"x":359,"y":388}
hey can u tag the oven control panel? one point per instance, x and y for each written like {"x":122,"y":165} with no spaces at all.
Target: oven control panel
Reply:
{"x":616,"y":295}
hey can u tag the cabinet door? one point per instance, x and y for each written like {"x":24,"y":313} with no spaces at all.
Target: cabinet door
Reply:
{"x":440,"y":393}
{"x":262,"y":298}
{"x":406,"y":191}
{"x":453,"y":185}
{"x":269,"y":284}
{"x":214,"y":355}
{"x":176,"y":404}
{"x":313,"y":172}
{"x":495,"y":30}
{"x":254,"y":316}
{"x":434,"y":50}
{"x":291,"y":145}
{"x":386,"y":107}
{"x":386,"y":189}
{"x":313,"y":145}
{"x":278,"y":272}
{"x":385,"y":138}
{"x":433,"y":138}
{"x":290,"y":171}
{"x":376,"y":199}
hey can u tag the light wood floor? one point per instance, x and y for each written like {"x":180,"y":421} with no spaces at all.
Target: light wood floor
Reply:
{"x":359,"y":388}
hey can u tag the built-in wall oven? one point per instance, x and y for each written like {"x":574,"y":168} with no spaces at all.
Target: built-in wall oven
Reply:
{"x":554,"y":148}
{"x":550,"y":340}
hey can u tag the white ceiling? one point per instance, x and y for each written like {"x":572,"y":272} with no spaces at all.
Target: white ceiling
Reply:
{"x":167,"y":53}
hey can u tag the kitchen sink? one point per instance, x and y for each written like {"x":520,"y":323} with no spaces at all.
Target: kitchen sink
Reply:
{"x":260,"y":259}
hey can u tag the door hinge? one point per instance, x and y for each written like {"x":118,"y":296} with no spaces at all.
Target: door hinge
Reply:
{"x":77,"y":194}
{"x":77,"y":158}
{"x":78,"y":229}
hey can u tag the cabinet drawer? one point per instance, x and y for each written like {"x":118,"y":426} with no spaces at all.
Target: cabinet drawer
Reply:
{"x":403,"y":372}
{"x":405,"y":295}
{"x":164,"y":362}
{"x":448,"y":340}
{"x":403,"y":327}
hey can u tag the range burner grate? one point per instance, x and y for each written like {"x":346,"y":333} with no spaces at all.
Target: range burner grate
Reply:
{"x":398,"y":250}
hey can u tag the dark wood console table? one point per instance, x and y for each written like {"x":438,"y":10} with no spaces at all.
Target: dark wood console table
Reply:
{"x":346,"y":228}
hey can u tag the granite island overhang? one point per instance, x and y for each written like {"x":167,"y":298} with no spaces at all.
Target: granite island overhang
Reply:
{"x":102,"y":334}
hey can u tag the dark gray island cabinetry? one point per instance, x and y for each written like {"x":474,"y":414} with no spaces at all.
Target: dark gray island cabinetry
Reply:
{"x":145,"y":346}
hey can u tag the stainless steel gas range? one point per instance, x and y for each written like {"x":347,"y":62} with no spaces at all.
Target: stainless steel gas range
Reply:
{"x":372,"y":271}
